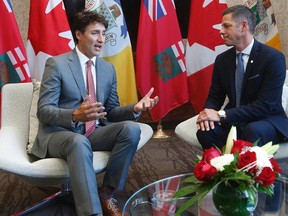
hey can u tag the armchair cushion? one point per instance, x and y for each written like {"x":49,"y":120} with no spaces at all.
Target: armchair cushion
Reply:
{"x":33,"y":115}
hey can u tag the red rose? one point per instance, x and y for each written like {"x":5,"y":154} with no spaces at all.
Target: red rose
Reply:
{"x":204,"y":171}
{"x":210,"y":154}
{"x":275,"y":166}
{"x":266,"y":177}
{"x":247,"y":158}
{"x":238,"y":145}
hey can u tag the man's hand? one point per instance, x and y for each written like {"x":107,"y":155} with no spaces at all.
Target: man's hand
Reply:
{"x":146,"y":102}
{"x":88,"y":111}
{"x":207,"y":118}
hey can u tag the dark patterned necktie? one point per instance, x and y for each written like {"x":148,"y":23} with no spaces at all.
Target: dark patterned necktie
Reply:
{"x":239,"y":78}
{"x":90,"y":125}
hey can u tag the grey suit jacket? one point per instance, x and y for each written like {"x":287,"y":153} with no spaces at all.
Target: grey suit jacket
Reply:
{"x":63,"y":90}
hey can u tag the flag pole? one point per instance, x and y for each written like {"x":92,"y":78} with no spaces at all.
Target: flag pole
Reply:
{"x":159,"y":133}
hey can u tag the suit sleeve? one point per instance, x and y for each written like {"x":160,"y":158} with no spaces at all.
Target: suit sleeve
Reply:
{"x":115,"y":112}
{"x":48,"y":110}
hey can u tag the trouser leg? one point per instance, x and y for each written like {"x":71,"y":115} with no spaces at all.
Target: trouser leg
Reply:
{"x":76,"y":150}
{"x":122,"y":140}
{"x":262,"y":130}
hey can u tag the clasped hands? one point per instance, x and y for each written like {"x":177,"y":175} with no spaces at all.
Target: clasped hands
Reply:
{"x":92,"y":111}
{"x":207,"y":118}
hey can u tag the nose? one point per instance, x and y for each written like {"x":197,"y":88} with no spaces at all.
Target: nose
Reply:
{"x":101,"y":38}
{"x":221,"y":31}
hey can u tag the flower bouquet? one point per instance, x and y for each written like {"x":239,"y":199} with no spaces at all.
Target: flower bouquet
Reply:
{"x":242,"y":165}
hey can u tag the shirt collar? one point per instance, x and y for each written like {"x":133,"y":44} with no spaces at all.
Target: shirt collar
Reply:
{"x":248,"y":49}
{"x":82,"y":58}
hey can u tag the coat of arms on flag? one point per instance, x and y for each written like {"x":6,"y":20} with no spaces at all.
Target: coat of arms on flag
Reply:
{"x":169,"y":63}
{"x":266,"y":30}
{"x":117,"y":49}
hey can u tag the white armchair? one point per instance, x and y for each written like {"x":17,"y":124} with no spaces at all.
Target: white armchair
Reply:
{"x":14,"y":135}
{"x":187,"y":129}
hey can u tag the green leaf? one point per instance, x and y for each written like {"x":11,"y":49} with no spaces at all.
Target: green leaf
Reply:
{"x":190,"y":179}
{"x":197,"y":198}
{"x":184,"y":191}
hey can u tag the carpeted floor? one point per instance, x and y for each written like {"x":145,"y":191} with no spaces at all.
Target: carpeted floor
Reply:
{"x":159,"y":158}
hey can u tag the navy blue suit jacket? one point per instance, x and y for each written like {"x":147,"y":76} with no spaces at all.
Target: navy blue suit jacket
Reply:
{"x":262,"y":87}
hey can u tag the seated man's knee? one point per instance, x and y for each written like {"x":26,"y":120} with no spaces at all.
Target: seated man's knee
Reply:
{"x":204,"y":139}
{"x":79,"y":144}
{"x":261,"y":130}
{"x":253,"y":132}
{"x":131,"y":131}
{"x":215,"y":137}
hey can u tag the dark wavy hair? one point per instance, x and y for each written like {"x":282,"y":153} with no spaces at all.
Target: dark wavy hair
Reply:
{"x":84,"y":18}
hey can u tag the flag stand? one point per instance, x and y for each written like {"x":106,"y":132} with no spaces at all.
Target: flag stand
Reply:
{"x":159,"y":133}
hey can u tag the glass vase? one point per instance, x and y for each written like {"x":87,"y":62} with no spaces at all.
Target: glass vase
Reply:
{"x":231,"y":200}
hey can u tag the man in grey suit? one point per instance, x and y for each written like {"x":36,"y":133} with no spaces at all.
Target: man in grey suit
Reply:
{"x":64,"y":107}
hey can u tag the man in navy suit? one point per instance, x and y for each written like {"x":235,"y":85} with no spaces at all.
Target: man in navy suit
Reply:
{"x":259,"y":113}
{"x":64,"y":107}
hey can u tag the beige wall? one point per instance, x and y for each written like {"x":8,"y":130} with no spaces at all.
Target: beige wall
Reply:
{"x":21,"y":10}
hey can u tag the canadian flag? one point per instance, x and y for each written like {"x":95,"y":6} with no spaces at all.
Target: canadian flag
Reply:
{"x":203,"y":45}
{"x":48,"y":35}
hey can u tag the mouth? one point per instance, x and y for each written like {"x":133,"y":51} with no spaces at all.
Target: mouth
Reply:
{"x":98,"y":47}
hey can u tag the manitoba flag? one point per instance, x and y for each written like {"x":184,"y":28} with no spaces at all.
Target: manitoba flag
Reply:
{"x":160,"y":61}
{"x":13,"y":60}
{"x":203,"y":45}
{"x":48,"y":35}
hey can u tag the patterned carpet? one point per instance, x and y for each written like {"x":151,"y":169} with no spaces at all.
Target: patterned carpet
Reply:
{"x":159,"y":158}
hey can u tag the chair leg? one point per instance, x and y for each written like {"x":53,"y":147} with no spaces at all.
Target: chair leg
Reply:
{"x":63,"y":192}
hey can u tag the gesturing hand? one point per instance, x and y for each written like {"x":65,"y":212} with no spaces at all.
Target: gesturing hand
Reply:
{"x":146,"y":102}
{"x":88,"y":111}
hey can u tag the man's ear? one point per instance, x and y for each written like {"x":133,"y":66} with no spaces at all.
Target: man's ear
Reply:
{"x":78,"y":34}
{"x":245,"y":26}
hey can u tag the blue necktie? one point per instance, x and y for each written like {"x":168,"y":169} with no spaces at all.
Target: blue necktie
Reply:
{"x":239,"y":78}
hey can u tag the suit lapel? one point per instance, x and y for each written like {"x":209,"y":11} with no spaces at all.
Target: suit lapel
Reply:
{"x":251,"y":62}
{"x":231,"y":66}
{"x":100,"y":77}
{"x":76,"y":70}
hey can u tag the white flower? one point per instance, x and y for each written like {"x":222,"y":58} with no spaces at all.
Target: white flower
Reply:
{"x":220,"y":161}
{"x":230,"y":140}
{"x":270,"y":148}
{"x":263,"y":159}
